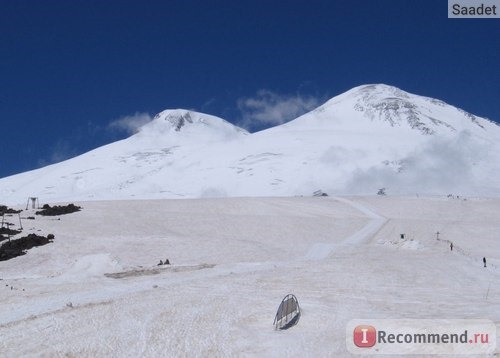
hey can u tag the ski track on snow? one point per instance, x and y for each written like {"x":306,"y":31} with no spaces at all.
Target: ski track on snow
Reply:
{"x":320,"y":250}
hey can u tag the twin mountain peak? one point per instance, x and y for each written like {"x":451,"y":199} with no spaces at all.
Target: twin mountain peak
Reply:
{"x":368,"y":138}
{"x":357,"y":108}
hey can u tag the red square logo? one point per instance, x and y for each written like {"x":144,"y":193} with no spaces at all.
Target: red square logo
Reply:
{"x":365,"y":336}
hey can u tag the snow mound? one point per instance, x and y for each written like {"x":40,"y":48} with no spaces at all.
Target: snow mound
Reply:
{"x":89,"y":266}
{"x":404,"y":244}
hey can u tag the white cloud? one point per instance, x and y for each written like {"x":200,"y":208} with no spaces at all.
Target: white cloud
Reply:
{"x":130,"y":123}
{"x":270,"y":108}
{"x":446,"y":165}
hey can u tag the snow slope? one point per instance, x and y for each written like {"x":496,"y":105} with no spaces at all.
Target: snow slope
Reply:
{"x":96,"y":290}
{"x":371,"y":137}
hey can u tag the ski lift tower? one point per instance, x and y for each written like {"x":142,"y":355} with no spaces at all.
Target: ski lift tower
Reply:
{"x":7,"y":224}
{"x":35,"y":203}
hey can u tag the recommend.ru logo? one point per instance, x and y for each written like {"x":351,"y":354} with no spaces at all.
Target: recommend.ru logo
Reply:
{"x":421,"y":336}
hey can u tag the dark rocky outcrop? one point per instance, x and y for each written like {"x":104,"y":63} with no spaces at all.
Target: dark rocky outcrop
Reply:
{"x":5,"y":210}
{"x":19,"y":246}
{"x":9,"y":232}
{"x":48,"y":210}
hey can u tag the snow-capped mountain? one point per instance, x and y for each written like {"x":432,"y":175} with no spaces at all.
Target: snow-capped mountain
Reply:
{"x":397,"y":108}
{"x":202,"y":127}
{"x":370,"y":137}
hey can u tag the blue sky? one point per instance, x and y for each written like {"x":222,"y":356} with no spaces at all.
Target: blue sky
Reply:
{"x":74,"y":75}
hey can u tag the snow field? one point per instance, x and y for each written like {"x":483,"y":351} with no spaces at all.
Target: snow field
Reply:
{"x":233,"y":261}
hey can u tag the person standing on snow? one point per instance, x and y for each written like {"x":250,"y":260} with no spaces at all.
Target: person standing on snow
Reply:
{"x":484,"y":261}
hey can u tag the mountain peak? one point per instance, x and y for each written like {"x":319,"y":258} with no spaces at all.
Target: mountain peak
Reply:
{"x":188,"y":123}
{"x":178,"y":118}
{"x":371,"y":93}
{"x":381,"y":89}
{"x":389,"y":104}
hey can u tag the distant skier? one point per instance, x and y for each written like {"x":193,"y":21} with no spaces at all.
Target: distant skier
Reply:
{"x":161,"y":263}
{"x":167,"y":262}
{"x":484,"y":261}
{"x":451,"y":246}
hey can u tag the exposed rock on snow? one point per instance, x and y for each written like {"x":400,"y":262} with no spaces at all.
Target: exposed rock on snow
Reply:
{"x":56,"y":210}
{"x":18,"y":247}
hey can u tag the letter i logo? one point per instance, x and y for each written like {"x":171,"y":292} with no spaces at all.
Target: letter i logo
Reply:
{"x":365,"y":336}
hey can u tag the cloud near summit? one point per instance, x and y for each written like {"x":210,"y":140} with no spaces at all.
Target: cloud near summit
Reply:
{"x":131,"y":123}
{"x":269,"y":108}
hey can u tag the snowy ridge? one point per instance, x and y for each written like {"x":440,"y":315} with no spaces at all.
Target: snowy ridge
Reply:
{"x":368,"y":138}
